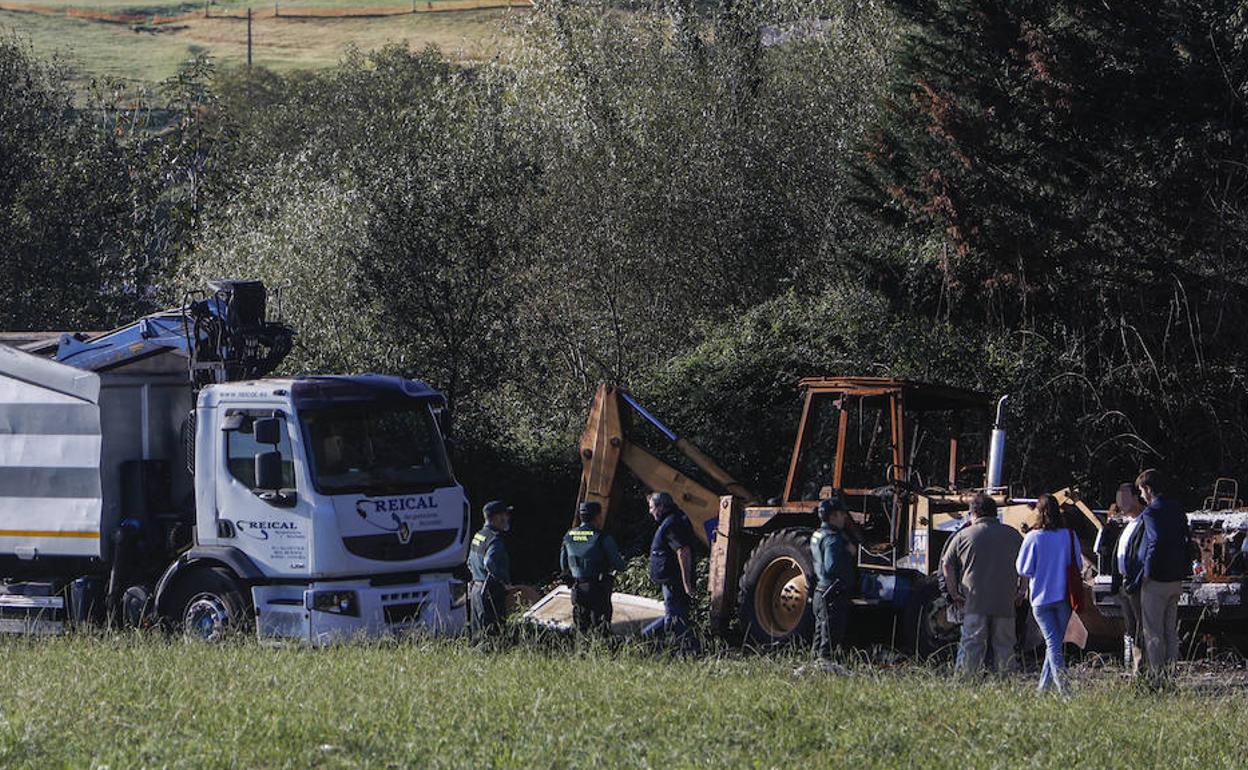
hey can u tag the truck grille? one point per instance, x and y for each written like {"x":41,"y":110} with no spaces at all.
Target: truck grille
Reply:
{"x":386,"y":547}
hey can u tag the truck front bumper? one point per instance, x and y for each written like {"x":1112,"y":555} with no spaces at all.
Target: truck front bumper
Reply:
{"x":329,"y":611}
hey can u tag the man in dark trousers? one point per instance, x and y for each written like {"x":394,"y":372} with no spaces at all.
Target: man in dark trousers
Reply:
{"x":1159,"y":581}
{"x":588,"y":557}
{"x":671,"y":566}
{"x":491,"y":572}
{"x":834,"y":576}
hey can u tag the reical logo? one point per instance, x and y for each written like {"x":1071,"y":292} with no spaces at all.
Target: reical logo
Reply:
{"x":259,"y":530}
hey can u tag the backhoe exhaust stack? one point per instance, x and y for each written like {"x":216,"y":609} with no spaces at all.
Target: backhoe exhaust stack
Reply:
{"x":996,"y":449}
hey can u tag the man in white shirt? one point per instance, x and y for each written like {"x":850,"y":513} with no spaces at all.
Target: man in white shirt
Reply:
{"x":1128,"y":557}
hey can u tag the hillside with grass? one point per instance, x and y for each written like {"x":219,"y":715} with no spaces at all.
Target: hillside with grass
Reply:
{"x":149,"y":47}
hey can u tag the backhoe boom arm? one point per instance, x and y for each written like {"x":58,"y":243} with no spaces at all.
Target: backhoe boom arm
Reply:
{"x":605,"y":446}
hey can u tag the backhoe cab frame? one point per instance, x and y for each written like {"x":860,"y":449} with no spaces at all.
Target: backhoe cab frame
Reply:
{"x":907,"y":458}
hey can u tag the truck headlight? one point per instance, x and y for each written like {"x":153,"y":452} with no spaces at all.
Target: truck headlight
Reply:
{"x":459,"y":594}
{"x":336,"y":602}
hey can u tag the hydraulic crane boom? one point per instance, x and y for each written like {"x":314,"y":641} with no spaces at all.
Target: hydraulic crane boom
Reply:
{"x":605,"y":446}
{"x":224,"y":333}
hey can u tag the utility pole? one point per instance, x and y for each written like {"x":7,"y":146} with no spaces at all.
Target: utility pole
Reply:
{"x":248,"y":38}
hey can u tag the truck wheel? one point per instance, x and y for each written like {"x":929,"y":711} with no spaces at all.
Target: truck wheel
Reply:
{"x":925,"y":628}
{"x":209,"y":605}
{"x":775,"y":589}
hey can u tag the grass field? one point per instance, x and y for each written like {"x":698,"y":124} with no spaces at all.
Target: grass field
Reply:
{"x":153,"y":54}
{"x":136,"y":701}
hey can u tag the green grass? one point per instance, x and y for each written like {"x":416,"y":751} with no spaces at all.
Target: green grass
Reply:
{"x":135,"y":701}
{"x":98,"y":49}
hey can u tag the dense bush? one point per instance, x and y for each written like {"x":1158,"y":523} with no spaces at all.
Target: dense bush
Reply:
{"x":84,"y":231}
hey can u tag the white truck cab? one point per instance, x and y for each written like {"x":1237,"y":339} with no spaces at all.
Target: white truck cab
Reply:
{"x":358,"y":526}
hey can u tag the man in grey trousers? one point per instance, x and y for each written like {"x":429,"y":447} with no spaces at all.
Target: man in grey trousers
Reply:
{"x":980,"y":577}
{"x":1159,"y":582}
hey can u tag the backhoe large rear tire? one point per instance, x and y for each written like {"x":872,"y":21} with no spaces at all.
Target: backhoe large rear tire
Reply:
{"x":774,"y":598}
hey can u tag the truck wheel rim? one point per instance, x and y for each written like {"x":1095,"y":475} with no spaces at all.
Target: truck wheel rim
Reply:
{"x":780,"y":599}
{"x":207,"y":617}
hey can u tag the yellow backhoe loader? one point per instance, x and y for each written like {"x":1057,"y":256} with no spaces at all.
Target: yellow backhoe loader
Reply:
{"x":906,"y":456}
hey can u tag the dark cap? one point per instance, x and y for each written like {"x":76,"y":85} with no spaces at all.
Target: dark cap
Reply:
{"x":828,"y":505}
{"x":588,"y":510}
{"x":495,"y":507}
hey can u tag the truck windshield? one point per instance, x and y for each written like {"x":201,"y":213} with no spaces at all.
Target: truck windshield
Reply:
{"x":375,"y":448}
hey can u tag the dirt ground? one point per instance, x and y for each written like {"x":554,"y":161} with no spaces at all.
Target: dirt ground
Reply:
{"x":1222,"y":673}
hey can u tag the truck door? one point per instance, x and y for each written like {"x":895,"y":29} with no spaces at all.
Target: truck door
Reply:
{"x":273,"y":527}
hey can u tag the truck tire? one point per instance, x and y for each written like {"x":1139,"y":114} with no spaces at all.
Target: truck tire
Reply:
{"x":209,"y":605}
{"x":925,"y":628}
{"x":773,"y":601}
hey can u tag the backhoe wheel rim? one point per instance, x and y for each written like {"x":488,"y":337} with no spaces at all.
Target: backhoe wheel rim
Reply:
{"x":207,"y":618}
{"x":781,"y":596}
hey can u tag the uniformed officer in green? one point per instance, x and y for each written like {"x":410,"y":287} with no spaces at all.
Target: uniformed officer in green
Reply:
{"x":491,"y":571}
{"x":834,"y":575}
{"x":589,"y":557}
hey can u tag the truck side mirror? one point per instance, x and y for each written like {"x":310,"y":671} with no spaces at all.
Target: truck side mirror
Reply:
{"x":269,"y":470}
{"x":268,"y":430}
{"x":269,"y":480}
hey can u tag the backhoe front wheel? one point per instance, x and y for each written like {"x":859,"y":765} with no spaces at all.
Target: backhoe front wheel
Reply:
{"x":774,"y":598}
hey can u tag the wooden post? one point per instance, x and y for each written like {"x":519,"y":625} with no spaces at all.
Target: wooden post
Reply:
{"x":207,"y":5}
{"x":248,"y":38}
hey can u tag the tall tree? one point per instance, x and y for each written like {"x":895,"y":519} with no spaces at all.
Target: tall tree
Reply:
{"x":1079,"y":171}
